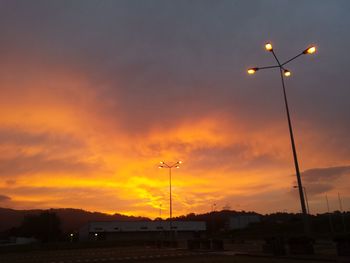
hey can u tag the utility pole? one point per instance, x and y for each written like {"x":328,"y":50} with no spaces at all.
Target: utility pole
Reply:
{"x":342,"y":213}
{"x":329,"y":217}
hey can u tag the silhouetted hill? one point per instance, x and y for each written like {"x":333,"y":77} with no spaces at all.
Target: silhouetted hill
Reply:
{"x":72,"y":219}
{"x":217,"y":221}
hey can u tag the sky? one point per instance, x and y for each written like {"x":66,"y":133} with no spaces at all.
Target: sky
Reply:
{"x":94,"y":94}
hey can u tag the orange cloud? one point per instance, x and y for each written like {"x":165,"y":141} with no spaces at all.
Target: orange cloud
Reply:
{"x":59,"y":149}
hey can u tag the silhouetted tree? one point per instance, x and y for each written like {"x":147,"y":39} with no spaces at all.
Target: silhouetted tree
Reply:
{"x":46,"y":227}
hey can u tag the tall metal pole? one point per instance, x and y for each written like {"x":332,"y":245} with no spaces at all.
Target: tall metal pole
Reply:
{"x":282,"y":69}
{"x":295,"y":157}
{"x":170,"y":166}
{"x":329,"y":217}
{"x":342,"y":213}
{"x":307,"y":201}
{"x":171,"y":202}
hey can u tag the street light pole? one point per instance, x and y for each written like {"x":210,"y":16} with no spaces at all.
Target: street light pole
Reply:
{"x":170,"y":196}
{"x":284,"y":72}
{"x":295,"y":157}
{"x":306,"y":199}
{"x":170,"y":166}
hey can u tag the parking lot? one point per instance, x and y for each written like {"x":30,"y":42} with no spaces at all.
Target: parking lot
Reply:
{"x":95,"y":255}
{"x":147,"y":254}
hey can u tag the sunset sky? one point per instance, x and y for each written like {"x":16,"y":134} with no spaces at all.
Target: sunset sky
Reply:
{"x":95,"y":93}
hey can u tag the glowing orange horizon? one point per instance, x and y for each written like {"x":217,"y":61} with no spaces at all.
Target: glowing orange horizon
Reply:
{"x":68,"y":154}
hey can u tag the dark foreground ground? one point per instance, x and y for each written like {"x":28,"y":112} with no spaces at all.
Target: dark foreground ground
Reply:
{"x":143,"y":254}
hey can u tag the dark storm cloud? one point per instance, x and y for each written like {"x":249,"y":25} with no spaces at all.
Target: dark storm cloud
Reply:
{"x":322,"y":180}
{"x":190,"y":54}
{"x":320,"y":187}
{"x":326,"y":173}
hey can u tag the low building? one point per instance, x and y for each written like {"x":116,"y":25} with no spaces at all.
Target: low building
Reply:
{"x":18,"y":241}
{"x":141,"y":230}
{"x":242,"y":221}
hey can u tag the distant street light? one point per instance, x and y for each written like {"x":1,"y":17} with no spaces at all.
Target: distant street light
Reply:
{"x":160,"y":211}
{"x":284,"y":72}
{"x":170,"y":166}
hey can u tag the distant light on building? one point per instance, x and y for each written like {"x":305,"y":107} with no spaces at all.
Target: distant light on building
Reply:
{"x":140,"y":230}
